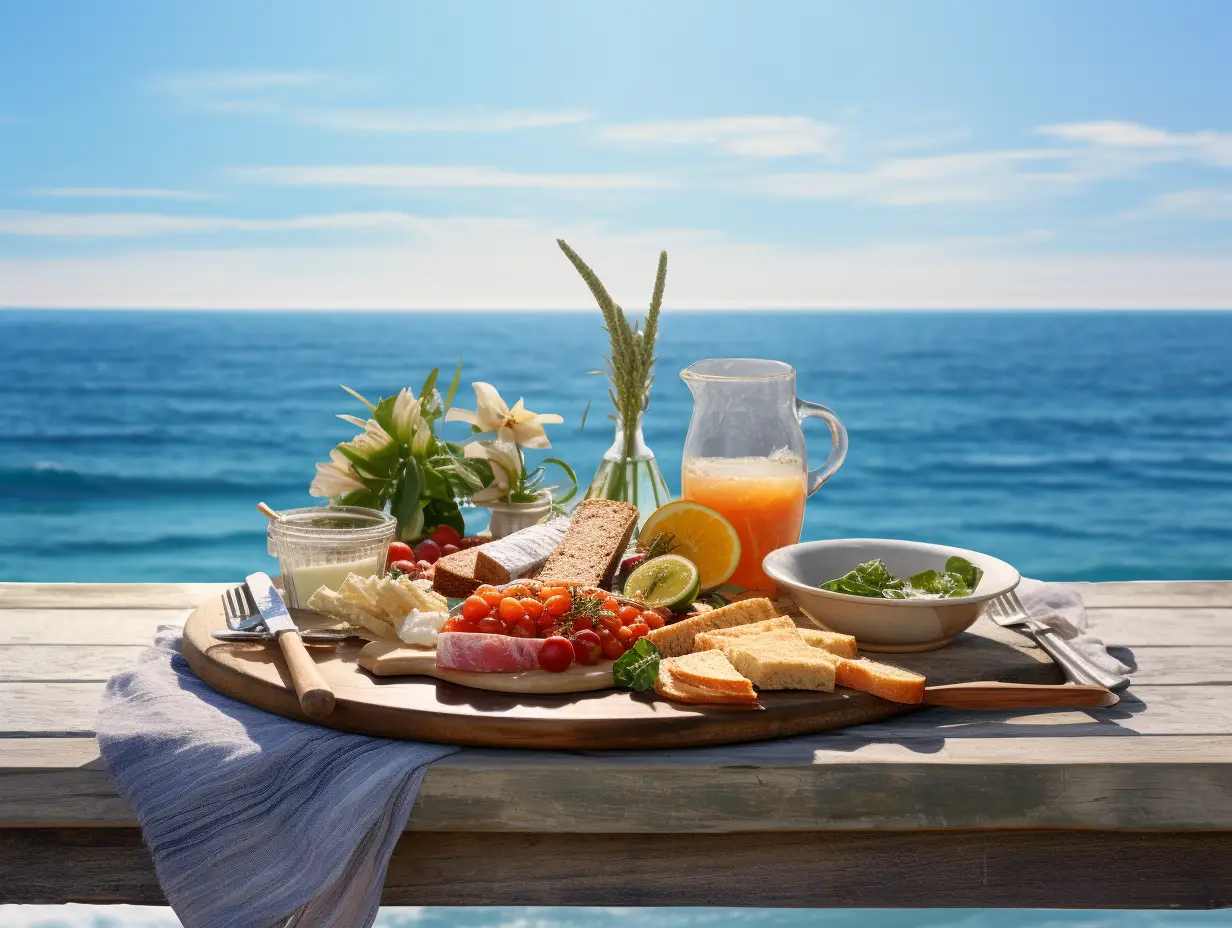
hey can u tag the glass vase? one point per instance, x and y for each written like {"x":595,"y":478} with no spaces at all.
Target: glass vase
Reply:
{"x":630,"y":473}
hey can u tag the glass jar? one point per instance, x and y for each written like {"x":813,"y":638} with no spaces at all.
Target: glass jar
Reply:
{"x":319,"y":545}
{"x":629,"y":473}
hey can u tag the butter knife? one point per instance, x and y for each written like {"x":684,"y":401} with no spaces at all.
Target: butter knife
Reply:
{"x":315,"y":696}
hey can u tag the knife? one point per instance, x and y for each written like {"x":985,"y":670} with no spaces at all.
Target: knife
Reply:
{"x":315,"y":696}
{"x":310,"y":636}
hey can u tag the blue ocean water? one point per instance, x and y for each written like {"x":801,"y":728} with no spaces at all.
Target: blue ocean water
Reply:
{"x":1090,"y":446}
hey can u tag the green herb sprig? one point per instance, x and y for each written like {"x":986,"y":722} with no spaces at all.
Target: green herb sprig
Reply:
{"x":637,"y":668}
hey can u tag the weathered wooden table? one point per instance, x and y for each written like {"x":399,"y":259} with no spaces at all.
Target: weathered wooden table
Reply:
{"x":1123,"y":807}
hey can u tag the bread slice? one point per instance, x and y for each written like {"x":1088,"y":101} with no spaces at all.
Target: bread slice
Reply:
{"x":781,"y":660}
{"x":892,"y":683}
{"x":589,"y":554}
{"x":834,"y":642}
{"x":710,"y":670}
{"x":709,"y":640}
{"x":678,"y":638}
{"x":458,"y":575}
{"x":670,"y":686}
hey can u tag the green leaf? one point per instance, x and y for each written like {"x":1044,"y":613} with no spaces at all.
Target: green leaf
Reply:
{"x":453,"y":387}
{"x":971,"y":575}
{"x":383,"y":413}
{"x":585,"y":413}
{"x":405,"y":505}
{"x":366,"y":498}
{"x":430,"y":383}
{"x":443,"y":512}
{"x":560,"y":500}
{"x":936,"y":583}
{"x":356,"y":395}
{"x":382,"y":465}
{"x":638,"y":667}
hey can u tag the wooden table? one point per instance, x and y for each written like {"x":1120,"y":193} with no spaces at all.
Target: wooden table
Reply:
{"x":1122,"y":807}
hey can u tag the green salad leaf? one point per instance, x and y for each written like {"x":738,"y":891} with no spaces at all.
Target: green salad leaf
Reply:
{"x":638,"y":667}
{"x":873,"y":579}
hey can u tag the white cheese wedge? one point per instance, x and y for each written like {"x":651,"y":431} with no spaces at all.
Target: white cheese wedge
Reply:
{"x":421,"y":628}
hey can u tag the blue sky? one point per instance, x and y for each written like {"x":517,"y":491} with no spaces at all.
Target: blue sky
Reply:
{"x":391,"y":155}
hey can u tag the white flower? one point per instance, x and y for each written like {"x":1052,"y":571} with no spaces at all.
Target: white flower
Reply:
{"x":506,"y":467}
{"x":335,"y":477}
{"x":371,"y":441}
{"x":410,"y":427}
{"x":516,"y":426}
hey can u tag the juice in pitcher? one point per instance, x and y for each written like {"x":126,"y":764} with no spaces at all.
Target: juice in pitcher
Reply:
{"x":763,"y":498}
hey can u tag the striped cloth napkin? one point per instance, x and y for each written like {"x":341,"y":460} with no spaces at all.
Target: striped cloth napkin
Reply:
{"x":254,"y":820}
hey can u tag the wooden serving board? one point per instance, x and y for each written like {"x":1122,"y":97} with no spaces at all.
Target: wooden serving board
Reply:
{"x":426,"y":709}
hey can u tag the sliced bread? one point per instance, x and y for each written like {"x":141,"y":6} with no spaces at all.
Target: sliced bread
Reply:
{"x":709,"y":640}
{"x":455,"y":574}
{"x":669,"y":686}
{"x":884,"y":680}
{"x":781,"y":660}
{"x":712,"y":671}
{"x":588,"y":555}
{"x":834,"y":642}
{"x":678,"y":638}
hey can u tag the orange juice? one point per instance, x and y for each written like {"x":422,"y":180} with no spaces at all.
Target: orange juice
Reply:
{"x":763,"y":498}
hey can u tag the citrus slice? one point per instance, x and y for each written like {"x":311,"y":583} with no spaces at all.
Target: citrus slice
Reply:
{"x":699,"y":533}
{"x":668,"y":580}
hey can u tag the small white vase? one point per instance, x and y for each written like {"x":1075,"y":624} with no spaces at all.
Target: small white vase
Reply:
{"x":508,"y":518}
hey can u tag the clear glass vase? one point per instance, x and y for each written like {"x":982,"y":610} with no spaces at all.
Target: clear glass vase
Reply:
{"x":630,"y":473}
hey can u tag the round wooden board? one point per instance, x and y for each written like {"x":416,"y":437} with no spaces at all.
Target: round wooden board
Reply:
{"x":425,"y":709}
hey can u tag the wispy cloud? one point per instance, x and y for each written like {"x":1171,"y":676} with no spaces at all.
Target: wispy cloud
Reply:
{"x":1198,"y":203}
{"x":401,"y":176}
{"x":145,"y":225}
{"x":118,"y":193}
{"x":394,"y":121}
{"x":1149,"y":143}
{"x":750,"y":136}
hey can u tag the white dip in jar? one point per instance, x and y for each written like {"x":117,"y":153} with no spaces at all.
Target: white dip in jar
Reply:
{"x":318,"y":546}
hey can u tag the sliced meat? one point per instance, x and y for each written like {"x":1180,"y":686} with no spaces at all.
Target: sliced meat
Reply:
{"x":480,"y":653}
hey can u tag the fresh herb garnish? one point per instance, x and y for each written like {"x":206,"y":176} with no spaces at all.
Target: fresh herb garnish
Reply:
{"x":638,"y":667}
{"x":661,"y":543}
{"x":874,"y":580}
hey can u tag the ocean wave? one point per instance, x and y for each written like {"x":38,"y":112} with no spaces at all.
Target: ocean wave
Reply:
{"x":53,"y":483}
{"x":169,"y":545}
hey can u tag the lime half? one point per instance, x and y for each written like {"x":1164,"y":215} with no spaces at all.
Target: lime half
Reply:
{"x":668,"y":580}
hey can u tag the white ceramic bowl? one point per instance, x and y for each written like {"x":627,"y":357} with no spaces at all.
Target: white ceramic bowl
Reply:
{"x":896,"y":625}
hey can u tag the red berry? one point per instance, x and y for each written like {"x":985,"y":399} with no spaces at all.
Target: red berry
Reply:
{"x":587,"y":648}
{"x":398,"y":551}
{"x":556,"y":654}
{"x":428,"y":551}
{"x":449,"y":549}
{"x":445,"y":535}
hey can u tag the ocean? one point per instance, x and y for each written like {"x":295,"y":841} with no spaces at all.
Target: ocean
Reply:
{"x":1077,"y":446}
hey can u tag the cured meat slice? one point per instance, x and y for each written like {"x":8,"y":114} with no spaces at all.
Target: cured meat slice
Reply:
{"x":481,"y":653}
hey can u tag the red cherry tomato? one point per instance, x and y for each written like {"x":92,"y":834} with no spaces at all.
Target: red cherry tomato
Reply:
{"x":524,"y":628}
{"x":587,"y":648}
{"x":556,"y":654}
{"x":446,"y":535}
{"x":610,"y":622}
{"x":612,"y":648}
{"x":491,"y":597}
{"x":611,"y":605}
{"x":628,"y":614}
{"x":491,"y":625}
{"x":624,"y":635}
{"x":398,"y":551}
{"x":653,"y":620}
{"x":510,"y":609}
{"x":475,"y":608}
{"x":640,"y":630}
{"x":583,"y":623}
{"x":547,"y":592}
{"x":558,"y":605}
{"x":428,"y":551}
{"x":407,"y":567}
{"x":532,"y":606}
{"x":516,"y":590}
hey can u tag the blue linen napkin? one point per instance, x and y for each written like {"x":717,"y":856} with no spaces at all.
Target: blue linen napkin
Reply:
{"x":254,"y":820}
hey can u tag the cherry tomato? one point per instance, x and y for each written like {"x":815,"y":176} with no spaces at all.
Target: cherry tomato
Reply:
{"x":446,"y":535}
{"x":475,"y":608}
{"x":428,"y":550}
{"x":524,"y":628}
{"x":547,"y":592}
{"x":558,"y":605}
{"x":407,"y":567}
{"x":587,"y":648}
{"x":398,"y":551}
{"x":628,"y":614}
{"x":612,"y":648}
{"x":556,"y":654}
{"x":533,"y":607}
{"x":510,"y":609}
{"x":546,"y":619}
{"x":517,"y":591}
{"x":583,"y":623}
{"x":639,"y":630}
{"x":610,"y":622}
{"x":492,"y":598}
{"x":459,"y":624}
{"x":611,"y":605}
{"x":491,"y":625}
{"x":624,"y":634}
{"x":653,"y":620}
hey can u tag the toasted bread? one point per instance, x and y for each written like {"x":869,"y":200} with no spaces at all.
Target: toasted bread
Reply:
{"x":669,"y":686}
{"x":677,"y":639}
{"x":455,"y":574}
{"x":892,"y":683}
{"x":834,"y":642}
{"x":780,"y":660}
{"x":588,"y":555}
{"x":710,"y":670}
{"x":707,"y":641}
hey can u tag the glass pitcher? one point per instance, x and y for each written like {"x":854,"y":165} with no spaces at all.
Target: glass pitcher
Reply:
{"x":745,"y":455}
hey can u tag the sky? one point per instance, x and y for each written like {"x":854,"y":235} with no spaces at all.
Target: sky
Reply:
{"x":407,"y":155}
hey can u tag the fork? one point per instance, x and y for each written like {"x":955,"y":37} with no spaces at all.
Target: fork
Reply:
{"x":242,"y":613}
{"x":1008,"y":611}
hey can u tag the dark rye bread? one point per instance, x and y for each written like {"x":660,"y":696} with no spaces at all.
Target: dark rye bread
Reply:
{"x":461,"y":573}
{"x":592,"y":548}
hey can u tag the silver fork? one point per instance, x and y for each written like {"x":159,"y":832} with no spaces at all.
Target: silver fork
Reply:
{"x":1008,"y":611}
{"x":242,"y":613}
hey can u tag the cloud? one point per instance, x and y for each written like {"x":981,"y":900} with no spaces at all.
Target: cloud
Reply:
{"x":394,"y":121}
{"x":145,"y":225}
{"x":1198,"y":203}
{"x":119,"y":193}
{"x":1150,"y":144}
{"x":750,"y":136}
{"x":405,"y":176}
{"x":479,"y":263}
{"x":236,"y":81}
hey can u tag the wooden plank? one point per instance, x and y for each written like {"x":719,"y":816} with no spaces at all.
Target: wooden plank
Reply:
{"x":1148,"y":594}
{"x":1037,"y":869}
{"x":1163,"y":627}
{"x":58,"y":709}
{"x":820,"y":782}
{"x":85,"y":626}
{"x":108,"y":595}
{"x":35,"y":663}
{"x":1182,"y":666}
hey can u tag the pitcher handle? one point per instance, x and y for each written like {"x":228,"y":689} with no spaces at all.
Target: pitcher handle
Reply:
{"x":838,"y":438}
